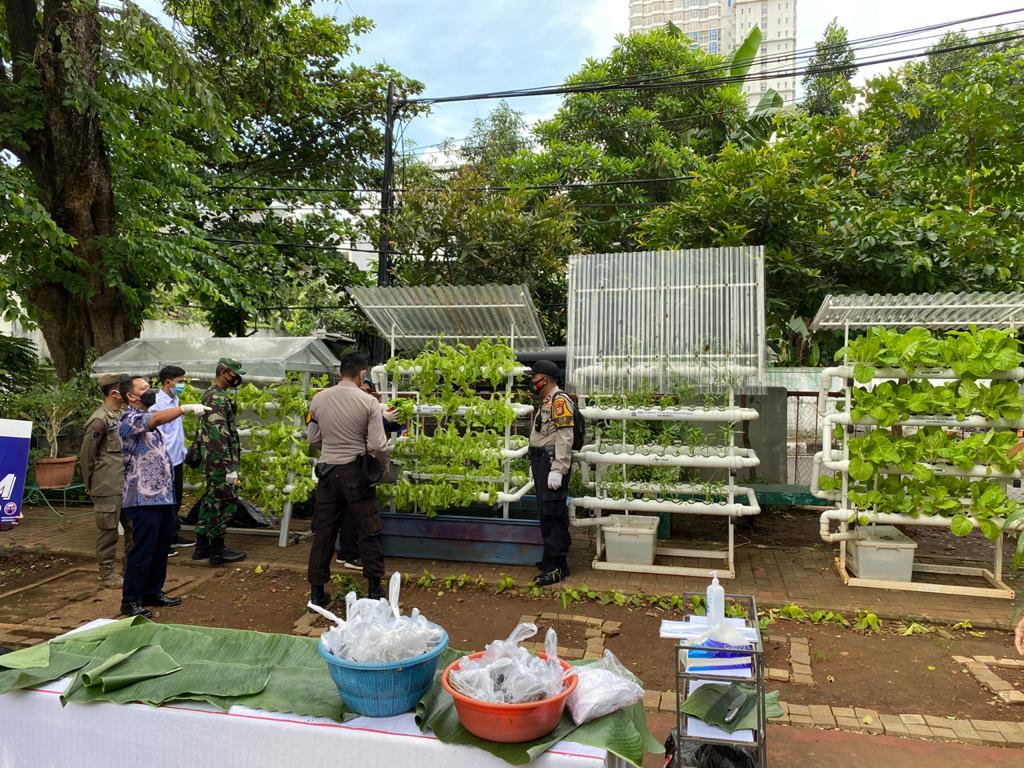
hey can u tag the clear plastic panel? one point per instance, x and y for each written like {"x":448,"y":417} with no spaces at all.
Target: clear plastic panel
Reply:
{"x":649,"y":320}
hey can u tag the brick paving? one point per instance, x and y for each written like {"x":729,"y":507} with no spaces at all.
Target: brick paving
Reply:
{"x":775,"y":575}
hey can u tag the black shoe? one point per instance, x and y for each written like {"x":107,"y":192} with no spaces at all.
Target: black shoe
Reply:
{"x":221,"y":555}
{"x":373,"y":590}
{"x":180,"y":543}
{"x":161,"y":600}
{"x":172,"y":553}
{"x":202,"y":550}
{"x":355,"y":564}
{"x":135,"y":609}
{"x":318,"y":596}
{"x":549,"y":578}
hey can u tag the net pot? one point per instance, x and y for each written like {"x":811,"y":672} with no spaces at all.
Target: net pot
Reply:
{"x":509,"y":723}
{"x":386,"y":688}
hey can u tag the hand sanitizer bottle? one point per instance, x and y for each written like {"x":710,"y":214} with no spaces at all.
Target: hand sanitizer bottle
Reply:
{"x":715,"y":601}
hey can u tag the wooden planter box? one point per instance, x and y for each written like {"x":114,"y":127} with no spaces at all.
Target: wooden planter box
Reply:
{"x":455,"y":537}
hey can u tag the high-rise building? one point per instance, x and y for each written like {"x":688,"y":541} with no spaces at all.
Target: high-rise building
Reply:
{"x":719,"y":26}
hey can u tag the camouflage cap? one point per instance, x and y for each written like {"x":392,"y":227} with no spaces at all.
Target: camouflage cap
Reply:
{"x":111,"y":378}
{"x":232,"y":364}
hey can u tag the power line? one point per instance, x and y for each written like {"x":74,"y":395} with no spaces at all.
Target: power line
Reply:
{"x":653,"y":82}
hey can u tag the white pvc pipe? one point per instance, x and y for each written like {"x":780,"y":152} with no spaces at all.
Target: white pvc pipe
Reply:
{"x":659,"y":488}
{"x":928,"y":421}
{"x":816,"y":491}
{"x":948,"y":470}
{"x":883,"y":518}
{"x":520,"y":409}
{"x":668,"y":459}
{"x":661,"y":505}
{"x":695,"y":413}
{"x":610,"y":372}
{"x":507,"y":498}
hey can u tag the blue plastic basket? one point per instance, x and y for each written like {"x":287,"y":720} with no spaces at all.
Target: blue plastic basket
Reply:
{"x":383,"y":689}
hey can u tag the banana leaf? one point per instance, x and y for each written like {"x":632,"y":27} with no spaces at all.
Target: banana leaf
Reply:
{"x":708,"y":703}
{"x":27,"y":658}
{"x":60,"y":662}
{"x":39,"y":655}
{"x":623,"y":733}
{"x":123,"y":669}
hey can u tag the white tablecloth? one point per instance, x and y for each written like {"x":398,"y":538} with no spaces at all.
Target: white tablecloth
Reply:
{"x":36,"y":732}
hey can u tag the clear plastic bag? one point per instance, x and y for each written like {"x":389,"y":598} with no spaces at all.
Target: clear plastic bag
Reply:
{"x":374,"y":631}
{"x":508,"y":674}
{"x":602,"y":688}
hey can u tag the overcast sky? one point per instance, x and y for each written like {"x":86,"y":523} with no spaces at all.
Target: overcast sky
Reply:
{"x":459,"y":46}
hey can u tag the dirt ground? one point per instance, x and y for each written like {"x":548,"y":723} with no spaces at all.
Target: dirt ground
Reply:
{"x":21,"y":567}
{"x":884,"y":671}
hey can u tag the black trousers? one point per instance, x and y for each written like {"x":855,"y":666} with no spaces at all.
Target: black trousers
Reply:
{"x":341,"y":502}
{"x":146,"y":567}
{"x":553,"y":513}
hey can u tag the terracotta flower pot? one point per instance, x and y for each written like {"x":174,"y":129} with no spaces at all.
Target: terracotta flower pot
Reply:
{"x":55,"y":473}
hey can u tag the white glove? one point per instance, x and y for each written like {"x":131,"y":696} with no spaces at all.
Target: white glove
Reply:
{"x":390,"y":415}
{"x":231,"y":477}
{"x":554,"y":480}
{"x":195,"y":408}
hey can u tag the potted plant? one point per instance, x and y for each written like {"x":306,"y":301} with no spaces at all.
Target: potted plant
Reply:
{"x":53,"y":407}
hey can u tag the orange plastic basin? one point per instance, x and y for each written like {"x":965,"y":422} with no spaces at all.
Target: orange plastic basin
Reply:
{"x":509,"y":723}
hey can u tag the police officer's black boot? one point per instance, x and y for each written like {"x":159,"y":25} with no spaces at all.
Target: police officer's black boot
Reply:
{"x":373,"y":590}
{"x":202,"y":550}
{"x":221,"y":555}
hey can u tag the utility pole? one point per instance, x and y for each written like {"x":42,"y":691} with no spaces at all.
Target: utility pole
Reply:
{"x":386,"y":195}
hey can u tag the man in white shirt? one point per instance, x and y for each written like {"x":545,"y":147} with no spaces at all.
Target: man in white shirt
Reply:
{"x":172,"y":383}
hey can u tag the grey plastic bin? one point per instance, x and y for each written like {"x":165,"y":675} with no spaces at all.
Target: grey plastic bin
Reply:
{"x":881,"y":552}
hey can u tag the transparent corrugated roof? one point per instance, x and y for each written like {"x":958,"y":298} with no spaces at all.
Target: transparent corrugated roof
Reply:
{"x":930,"y":310}
{"x":660,"y":318}
{"x":413,"y":316}
{"x":264,"y":358}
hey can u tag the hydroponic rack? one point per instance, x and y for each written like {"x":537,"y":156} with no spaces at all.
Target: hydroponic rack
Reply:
{"x":946,"y":311}
{"x":411,"y":317}
{"x":661,"y":322}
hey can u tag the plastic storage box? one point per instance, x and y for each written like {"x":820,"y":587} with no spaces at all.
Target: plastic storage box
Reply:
{"x":631,"y":539}
{"x":881,"y":552}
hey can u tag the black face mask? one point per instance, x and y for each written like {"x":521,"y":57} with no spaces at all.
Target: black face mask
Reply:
{"x":148,"y":398}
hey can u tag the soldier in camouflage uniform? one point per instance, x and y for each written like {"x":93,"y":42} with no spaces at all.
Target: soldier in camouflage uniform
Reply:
{"x":221,"y":450}
{"x":103,"y":474}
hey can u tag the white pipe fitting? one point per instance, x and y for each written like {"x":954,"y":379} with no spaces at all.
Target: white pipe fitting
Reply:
{"x":816,"y":491}
{"x":884,"y":518}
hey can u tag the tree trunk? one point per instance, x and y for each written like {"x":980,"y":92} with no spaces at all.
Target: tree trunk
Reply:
{"x":70,"y":165}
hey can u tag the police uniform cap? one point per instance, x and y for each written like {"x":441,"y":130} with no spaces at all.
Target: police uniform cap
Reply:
{"x":546,"y":368}
{"x":231,"y":364}
{"x":111,"y":378}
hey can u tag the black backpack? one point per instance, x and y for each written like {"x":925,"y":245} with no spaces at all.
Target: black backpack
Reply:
{"x":579,"y":424}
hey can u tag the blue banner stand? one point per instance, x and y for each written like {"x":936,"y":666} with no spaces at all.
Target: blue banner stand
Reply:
{"x":15,"y":437}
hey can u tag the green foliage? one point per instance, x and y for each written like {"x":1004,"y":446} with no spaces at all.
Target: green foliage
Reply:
{"x":827,"y":80}
{"x":974,"y":353}
{"x":505,"y":584}
{"x":54,"y":405}
{"x":792,"y":611}
{"x":867,"y":622}
{"x":458,"y":457}
{"x":274,"y":447}
{"x":19,"y":368}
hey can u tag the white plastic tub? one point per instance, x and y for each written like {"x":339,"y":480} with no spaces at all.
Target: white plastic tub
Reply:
{"x":631,"y":539}
{"x":881,"y":552}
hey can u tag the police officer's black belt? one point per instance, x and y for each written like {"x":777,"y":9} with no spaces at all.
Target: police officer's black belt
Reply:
{"x":542,"y":450}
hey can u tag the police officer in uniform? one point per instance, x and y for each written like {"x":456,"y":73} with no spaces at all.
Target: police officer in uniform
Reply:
{"x":103,"y":475}
{"x":345,"y":424}
{"x":550,"y":462}
{"x":221,"y":448}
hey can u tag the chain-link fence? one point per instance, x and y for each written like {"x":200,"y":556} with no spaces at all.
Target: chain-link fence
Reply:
{"x":803,"y":433}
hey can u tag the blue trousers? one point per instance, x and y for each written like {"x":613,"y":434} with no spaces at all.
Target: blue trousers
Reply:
{"x":146,"y":567}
